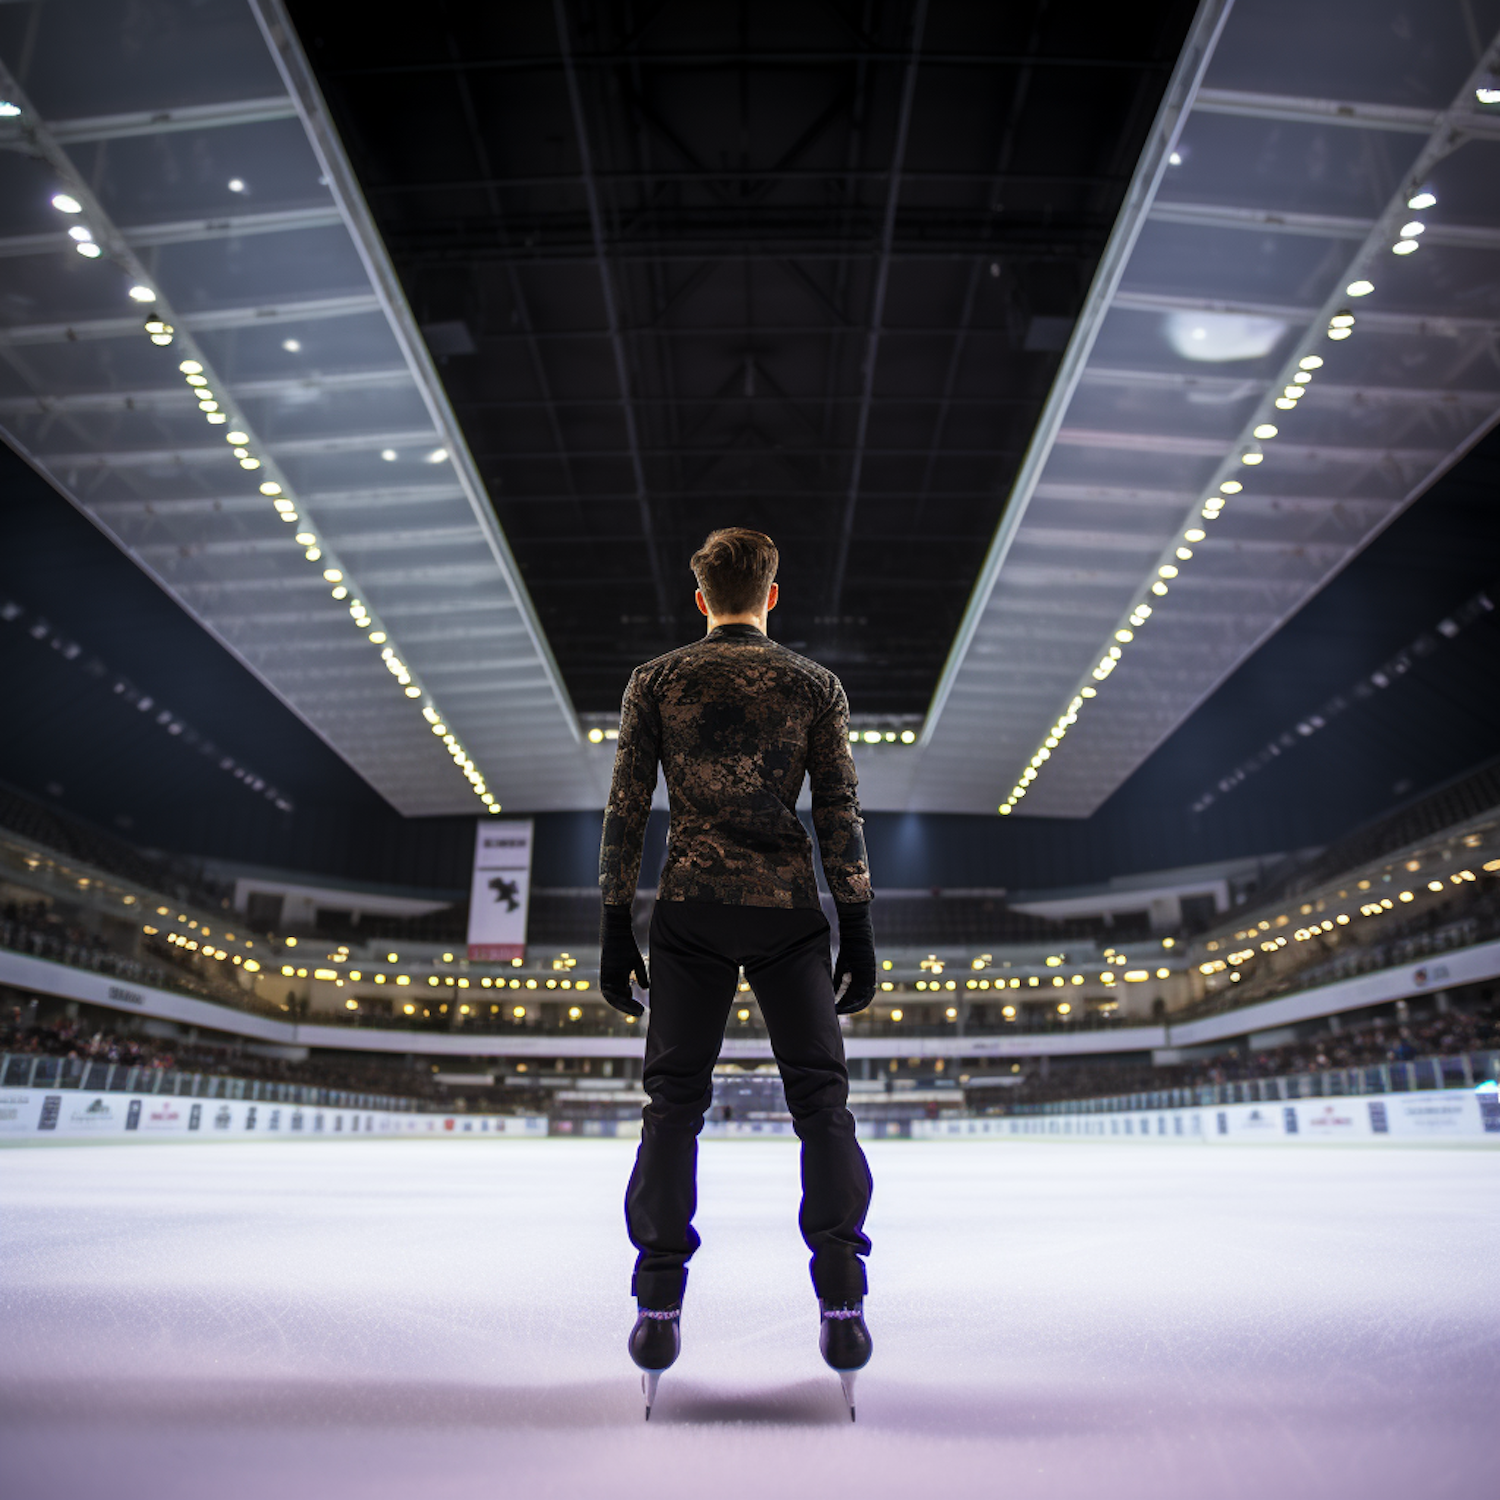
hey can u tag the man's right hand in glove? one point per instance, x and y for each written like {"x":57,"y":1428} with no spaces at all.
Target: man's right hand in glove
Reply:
{"x":619,"y":959}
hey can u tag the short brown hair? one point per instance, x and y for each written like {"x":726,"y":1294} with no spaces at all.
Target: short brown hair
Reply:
{"x":735,"y":568}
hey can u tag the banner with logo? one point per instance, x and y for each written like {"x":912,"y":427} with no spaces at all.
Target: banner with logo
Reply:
{"x":47,"y":1114}
{"x":501,"y":889}
{"x":1469,"y":1115}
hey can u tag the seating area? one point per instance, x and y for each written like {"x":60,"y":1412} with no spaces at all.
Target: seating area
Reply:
{"x":1427,"y":817}
{"x":78,"y":839}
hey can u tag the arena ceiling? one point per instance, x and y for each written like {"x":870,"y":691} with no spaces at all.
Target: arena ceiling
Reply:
{"x":914,"y":287}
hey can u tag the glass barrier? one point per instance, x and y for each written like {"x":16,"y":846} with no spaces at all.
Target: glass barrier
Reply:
{"x":1465,"y":1070}
{"x":31,"y":1070}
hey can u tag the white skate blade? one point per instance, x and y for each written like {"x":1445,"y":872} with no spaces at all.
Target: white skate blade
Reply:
{"x":649,"y":1379}
{"x":846,"y":1379}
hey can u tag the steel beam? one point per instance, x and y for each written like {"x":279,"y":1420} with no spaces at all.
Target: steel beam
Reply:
{"x":214,"y":321}
{"x":1304,"y":110}
{"x":877,"y":306}
{"x":185,"y":231}
{"x":178,"y":397}
{"x":1318,"y":226}
{"x":727,"y":250}
{"x":1220,"y":448}
{"x":705,"y":60}
{"x":506,"y":455}
{"x":1063,"y":538}
{"x":1322,"y":391}
{"x":1434,"y":323}
{"x":1179,"y":501}
{"x":448,"y":577}
{"x":164,"y":121}
{"x":976,"y":271}
{"x":709,"y":177}
{"x":320,"y":501}
{"x":129,"y":458}
{"x":611,"y":313}
{"x":352,"y":542}
{"x":775,"y":401}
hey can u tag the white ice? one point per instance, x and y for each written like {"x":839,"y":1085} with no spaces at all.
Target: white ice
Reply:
{"x":448,"y":1319}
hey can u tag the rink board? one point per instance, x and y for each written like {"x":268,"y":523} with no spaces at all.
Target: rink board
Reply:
{"x":1471,"y":1115}
{"x":1462,"y":1115}
{"x":73,"y":1114}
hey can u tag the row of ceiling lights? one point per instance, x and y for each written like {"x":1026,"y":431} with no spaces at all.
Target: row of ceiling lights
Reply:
{"x":856,"y":736}
{"x":1340,"y":327}
{"x":160,"y":330}
{"x":882,"y":737}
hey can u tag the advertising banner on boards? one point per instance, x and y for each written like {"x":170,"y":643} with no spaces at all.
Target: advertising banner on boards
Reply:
{"x":501,"y":889}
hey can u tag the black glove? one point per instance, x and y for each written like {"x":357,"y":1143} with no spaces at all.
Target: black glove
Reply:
{"x":854,"y":973}
{"x":619,"y":958}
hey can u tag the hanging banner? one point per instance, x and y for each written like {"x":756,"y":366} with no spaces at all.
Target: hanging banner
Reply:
{"x":501,"y":889}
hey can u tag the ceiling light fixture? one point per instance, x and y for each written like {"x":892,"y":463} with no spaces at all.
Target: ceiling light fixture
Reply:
{"x":158,"y":326}
{"x":1190,"y":334}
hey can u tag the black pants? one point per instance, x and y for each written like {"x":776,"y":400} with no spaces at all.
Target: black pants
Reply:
{"x":697,"y":950}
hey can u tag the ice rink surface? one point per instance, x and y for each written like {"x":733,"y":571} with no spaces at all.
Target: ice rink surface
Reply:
{"x":448,"y":1319}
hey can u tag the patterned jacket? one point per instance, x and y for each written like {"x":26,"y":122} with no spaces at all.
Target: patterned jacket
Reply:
{"x":736,"y":721}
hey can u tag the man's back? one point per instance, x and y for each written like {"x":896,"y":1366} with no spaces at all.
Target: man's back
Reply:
{"x":736,"y":721}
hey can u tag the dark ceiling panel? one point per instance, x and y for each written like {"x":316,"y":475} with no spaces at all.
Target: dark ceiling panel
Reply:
{"x":807,"y":269}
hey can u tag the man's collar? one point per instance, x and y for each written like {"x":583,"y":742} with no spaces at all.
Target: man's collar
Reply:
{"x":738,"y":630}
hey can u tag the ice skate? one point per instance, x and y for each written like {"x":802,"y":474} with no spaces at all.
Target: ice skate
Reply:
{"x":654,"y":1344}
{"x":845,"y":1344}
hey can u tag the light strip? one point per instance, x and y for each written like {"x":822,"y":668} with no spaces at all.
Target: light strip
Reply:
{"x":1335,"y":323}
{"x":96,"y":238}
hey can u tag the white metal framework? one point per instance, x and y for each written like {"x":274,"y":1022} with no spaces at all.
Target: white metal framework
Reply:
{"x":281,"y":459}
{"x":1281,"y":175}
{"x":1183,"y":496}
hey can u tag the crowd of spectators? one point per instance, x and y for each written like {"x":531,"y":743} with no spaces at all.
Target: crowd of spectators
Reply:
{"x":1429,"y":816}
{"x":67,"y":1037}
{"x":79,"y":840}
{"x":70,"y":1037}
{"x":1443,"y":1034}
{"x":35,"y":930}
{"x":1468,"y":914}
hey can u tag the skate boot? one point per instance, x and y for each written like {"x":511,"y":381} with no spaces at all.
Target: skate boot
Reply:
{"x":845,"y":1343}
{"x":655,"y":1342}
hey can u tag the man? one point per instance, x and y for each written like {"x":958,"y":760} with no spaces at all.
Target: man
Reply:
{"x":736,"y":721}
